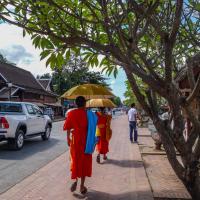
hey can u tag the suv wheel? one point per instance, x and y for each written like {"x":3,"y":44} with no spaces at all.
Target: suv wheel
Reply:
{"x":18,"y":142}
{"x":47,"y":133}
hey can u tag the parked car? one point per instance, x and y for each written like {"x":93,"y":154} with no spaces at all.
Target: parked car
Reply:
{"x":20,"y":121}
{"x":49,"y":111}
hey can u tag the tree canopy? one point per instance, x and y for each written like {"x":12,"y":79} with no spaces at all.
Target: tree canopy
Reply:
{"x":74,"y":72}
{"x":149,"y":39}
{"x":129,"y":94}
{"x":117,"y":101}
{"x":4,"y":60}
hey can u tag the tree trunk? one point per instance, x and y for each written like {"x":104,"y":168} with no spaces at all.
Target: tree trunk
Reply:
{"x":189,"y":173}
{"x":195,"y":189}
{"x":172,"y":138}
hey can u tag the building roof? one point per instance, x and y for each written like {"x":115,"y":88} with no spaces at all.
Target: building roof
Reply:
{"x":195,"y":65}
{"x":44,"y":82}
{"x":57,"y":104}
{"x":19,"y":76}
{"x":22,"y":78}
{"x":5,"y":91}
{"x":181,"y":74}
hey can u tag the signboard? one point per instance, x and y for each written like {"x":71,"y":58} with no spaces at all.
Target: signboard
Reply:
{"x":67,"y":103}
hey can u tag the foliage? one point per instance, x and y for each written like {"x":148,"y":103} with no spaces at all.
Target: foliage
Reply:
{"x":129,"y":95}
{"x":60,"y":27}
{"x":4,"y":60}
{"x":73,"y":73}
{"x":44,"y":76}
{"x":117,"y":101}
{"x":150,"y":39}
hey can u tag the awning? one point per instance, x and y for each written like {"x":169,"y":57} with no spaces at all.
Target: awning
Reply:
{"x":57,"y":104}
{"x":39,"y":104}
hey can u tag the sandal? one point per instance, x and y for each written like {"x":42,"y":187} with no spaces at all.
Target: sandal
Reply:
{"x":98,"y":159}
{"x":73,"y":186}
{"x":105,"y":157}
{"x":84,"y":190}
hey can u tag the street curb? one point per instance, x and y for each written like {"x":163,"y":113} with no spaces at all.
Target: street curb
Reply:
{"x":58,"y":120}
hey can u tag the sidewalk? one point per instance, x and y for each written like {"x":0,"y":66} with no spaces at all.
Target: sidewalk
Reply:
{"x":163,"y":180}
{"x":122,"y":177}
{"x":59,"y":119}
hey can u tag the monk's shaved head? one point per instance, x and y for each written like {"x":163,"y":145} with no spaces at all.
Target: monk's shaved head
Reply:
{"x":80,"y":101}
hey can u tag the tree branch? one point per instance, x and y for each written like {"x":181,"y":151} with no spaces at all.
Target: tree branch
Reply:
{"x":137,"y":92}
{"x":197,"y":150}
{"x":152,"y":103}
{"x":177,"y":21}
{"x":139,"y":9}
{"x":191,"y":64}
{"x":195,"y":91}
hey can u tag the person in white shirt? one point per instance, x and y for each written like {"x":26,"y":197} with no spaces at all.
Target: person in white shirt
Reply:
{"x":132,"y":118}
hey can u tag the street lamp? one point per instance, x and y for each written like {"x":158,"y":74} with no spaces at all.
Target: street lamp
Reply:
{"x":10,"y":88}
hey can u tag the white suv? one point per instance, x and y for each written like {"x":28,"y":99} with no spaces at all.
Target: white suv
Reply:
{"x":22,"y":120}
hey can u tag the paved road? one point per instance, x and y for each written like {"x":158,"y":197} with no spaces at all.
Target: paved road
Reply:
{"x":16,"y":165}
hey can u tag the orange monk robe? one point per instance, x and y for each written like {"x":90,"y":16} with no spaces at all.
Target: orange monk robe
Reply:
{"x":81,"y":163}
{"x":103,"y":143}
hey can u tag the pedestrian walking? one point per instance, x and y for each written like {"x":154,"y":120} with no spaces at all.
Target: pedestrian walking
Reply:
{"x":76,"y":125}
{"x":104,"y":133}
{"x":132,"y":118}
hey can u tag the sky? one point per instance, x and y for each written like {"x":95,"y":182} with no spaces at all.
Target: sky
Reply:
{"x":19,"y":50}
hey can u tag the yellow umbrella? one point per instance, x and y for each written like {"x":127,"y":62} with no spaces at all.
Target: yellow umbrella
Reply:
{"x":96,"y":103}
{"x":89,"y":91}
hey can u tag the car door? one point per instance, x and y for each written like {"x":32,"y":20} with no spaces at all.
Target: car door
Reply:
{"x":32,"y":120}
{"x":40,"y":119}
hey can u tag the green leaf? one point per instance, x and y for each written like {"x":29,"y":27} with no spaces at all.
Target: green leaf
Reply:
{"x":104,"y":69}
{"x":86,"y":56}
{"x":49,"y":44}
{"x":115,"y":72}
{"x":36,"y":41}
{"x":76,"y":51}
{"x":67,"y":55}
{"x":48,"y":61}
{"x":96,"y":61}
{"x":46,"y":44}
{"x":51,"y":60}
{"x":34,"y":36}
{"x":44,"y":54}
{"x":60,"y":60}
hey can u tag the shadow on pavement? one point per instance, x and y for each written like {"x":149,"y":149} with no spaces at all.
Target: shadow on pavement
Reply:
{"x":124,"y":163}
{"x":92,"y":194}
{"x":31,"y":147}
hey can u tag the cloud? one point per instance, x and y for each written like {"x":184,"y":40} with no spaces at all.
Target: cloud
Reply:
{"x":17,"y":54}
{"x":11,"y":36}
{"x":113,"y":82}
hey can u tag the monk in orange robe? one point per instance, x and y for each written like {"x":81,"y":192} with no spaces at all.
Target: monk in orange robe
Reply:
{"x":76,"y":126}
{"x":104,"y":133}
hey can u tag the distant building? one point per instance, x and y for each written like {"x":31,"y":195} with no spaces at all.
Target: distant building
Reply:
{"x":46,"y":84}
{"x":183,"y":84}
{"x":17,"y":84}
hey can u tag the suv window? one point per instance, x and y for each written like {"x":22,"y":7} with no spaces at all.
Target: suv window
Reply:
{"x":37,"y":110}
{"x":10,"y":108}
{"x":30,"y":109}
